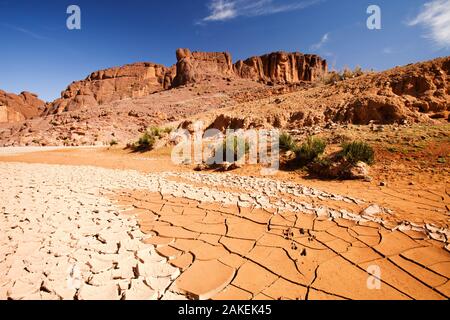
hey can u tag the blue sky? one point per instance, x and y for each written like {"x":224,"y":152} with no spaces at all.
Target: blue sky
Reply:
{"x":39,"y":54}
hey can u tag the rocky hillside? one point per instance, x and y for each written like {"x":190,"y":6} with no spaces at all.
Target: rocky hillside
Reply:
{"x":413,"y":93}
{"x":15,"y":108}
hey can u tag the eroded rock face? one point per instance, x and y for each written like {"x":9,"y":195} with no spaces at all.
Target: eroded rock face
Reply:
{"x":277,"y":67}
{"x":14,"y":108}
{"x":282,"y":67}
{"x":197,"y":66}
{"x":130,"y":81}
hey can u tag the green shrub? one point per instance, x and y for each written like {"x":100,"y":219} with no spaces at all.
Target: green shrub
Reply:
{"x":286,"y":142}
{"x":145,"y":142}
{"x":155,"y":131}
{"x":167,"y":130}
{"x":441,"y":160}
{"x":113,"y":142}
{"x":310,"y":150}
{"x":358,"y":151}
{"x":158,"y":132}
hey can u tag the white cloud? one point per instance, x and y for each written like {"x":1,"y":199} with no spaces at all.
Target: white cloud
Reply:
{"x":388,"y":50}
{"x":223,"y":10}
{"x":435,"y":18}
{"x":321,"y":43}
{"x":25,"y":31}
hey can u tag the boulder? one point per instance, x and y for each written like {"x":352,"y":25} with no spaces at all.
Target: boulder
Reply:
{"x":360,"y":171}
{"x":15,"y":108}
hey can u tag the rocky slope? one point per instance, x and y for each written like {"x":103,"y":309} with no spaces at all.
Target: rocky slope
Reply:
{"x":414,"y":93}
{"x":19,"y":107}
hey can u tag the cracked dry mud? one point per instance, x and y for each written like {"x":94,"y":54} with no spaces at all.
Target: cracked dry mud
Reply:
{"x":78,"y":232}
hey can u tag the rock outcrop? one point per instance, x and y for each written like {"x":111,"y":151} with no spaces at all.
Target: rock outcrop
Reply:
{"x":276,"y":68}
{"x":104,"y":86}
{"x":282,"y":67}
{"x":197,"y":66}
{"x":14,"y":108}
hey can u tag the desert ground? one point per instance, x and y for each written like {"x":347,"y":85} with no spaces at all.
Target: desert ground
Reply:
{"x":107,"y":223}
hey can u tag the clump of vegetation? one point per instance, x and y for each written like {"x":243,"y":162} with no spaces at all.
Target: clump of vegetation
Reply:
{"x":286,"y":142}
{"x":145,"y":142}
{"x":358,"y":151}
{"x":441,"y":160}
{"x":230,"y":146}
{"x":159,"y":132}
{"x":310,"y":150}
{"x":392,"y":149}
{"x":113,"y":143}
{"x":336,"y":76}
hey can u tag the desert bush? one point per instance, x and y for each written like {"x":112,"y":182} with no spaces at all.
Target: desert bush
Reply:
{"x":225,"y":147}
{"x":347,"y":73}
{"x":155,"y":132}
{"x":159,"y":132}
{"x":358,"y":71}
{"x":336,"y":76}
{"x":286,"y":142}
{"x":113,"y":142}
{"x":310,"y":150}
{"x":331,"y":77}
{"x":358,"y":151}
{"x":145,"y":142}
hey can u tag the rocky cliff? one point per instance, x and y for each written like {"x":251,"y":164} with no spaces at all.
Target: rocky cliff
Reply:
{"x":198,"y":66}
{"x":15,"y":108}
{"x":104,"y":86}
{"x":273,"y":68}
{"x":282,"y":67}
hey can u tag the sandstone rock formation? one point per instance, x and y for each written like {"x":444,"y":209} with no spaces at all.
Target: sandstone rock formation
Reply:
{"x":277,"y":67}
{"x":14,"y":108}
{"x":197,"y":66}
{"x":130,"y":81}
{"x":282,"y":67}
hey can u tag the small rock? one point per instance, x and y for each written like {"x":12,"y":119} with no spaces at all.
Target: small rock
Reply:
{"x":359,"y":171}
{"x":372,"y":210}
